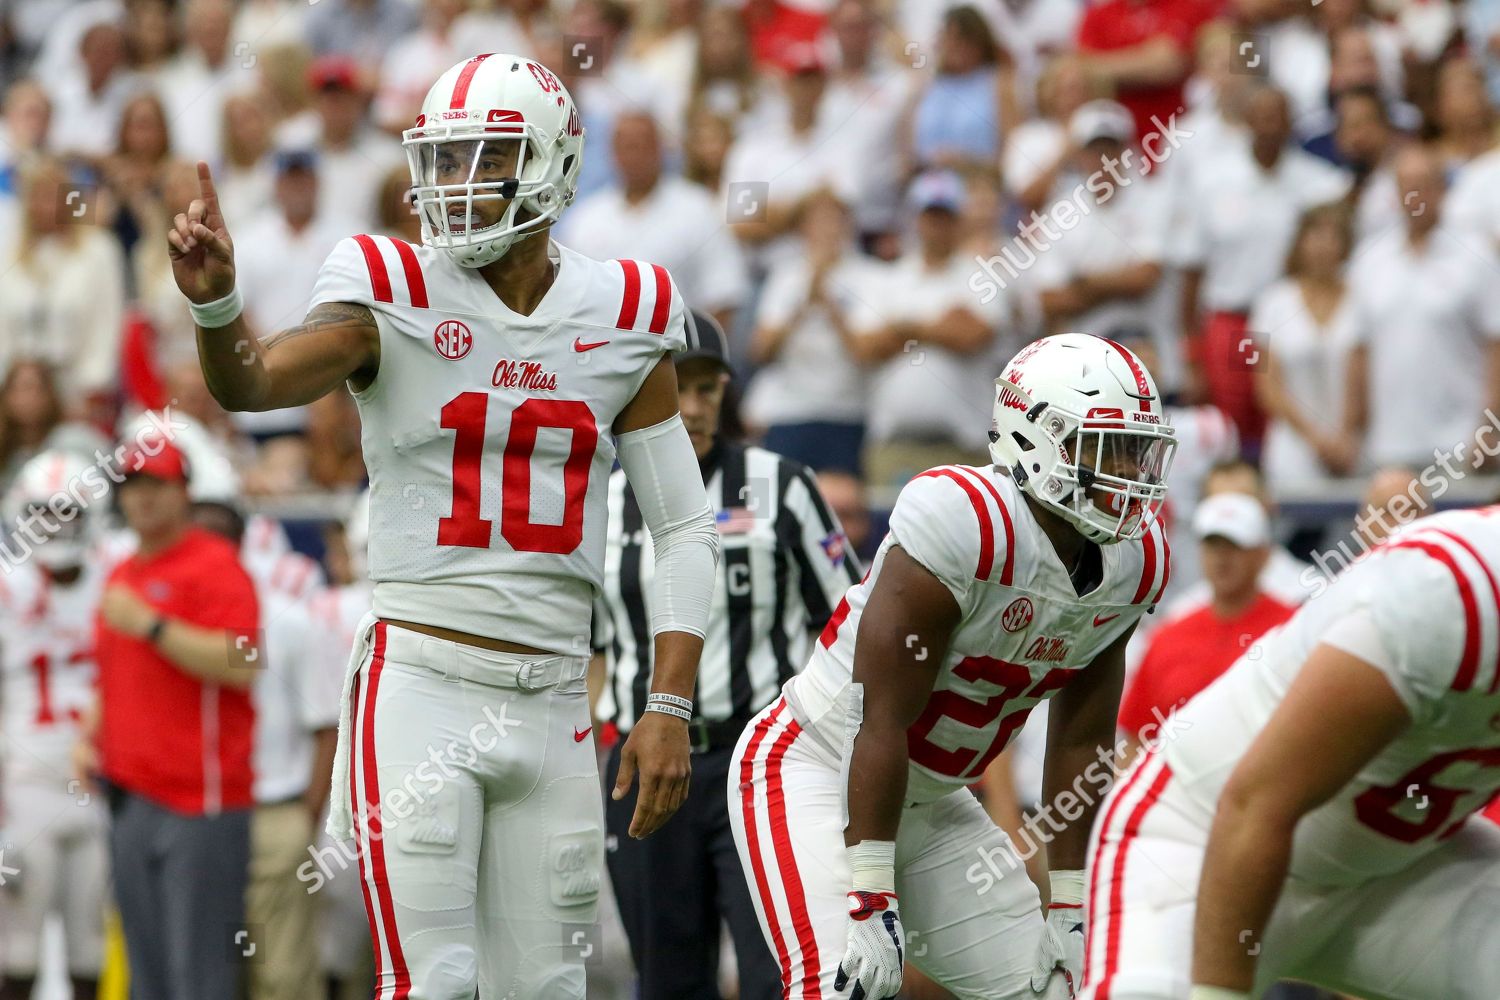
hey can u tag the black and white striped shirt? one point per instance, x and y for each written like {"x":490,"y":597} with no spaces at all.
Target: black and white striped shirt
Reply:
{"x":784,"y":567}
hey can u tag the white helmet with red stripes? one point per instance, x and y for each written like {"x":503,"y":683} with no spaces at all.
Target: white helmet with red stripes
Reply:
{"x":49,"y":505}
{"x":1079,"y":425}
{"x":494,"y":156}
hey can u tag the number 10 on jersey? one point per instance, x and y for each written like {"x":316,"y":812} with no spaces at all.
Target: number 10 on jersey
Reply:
{"x":467,"y":415}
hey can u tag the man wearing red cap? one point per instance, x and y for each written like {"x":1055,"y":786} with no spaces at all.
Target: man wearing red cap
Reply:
{"x":176,"y":640}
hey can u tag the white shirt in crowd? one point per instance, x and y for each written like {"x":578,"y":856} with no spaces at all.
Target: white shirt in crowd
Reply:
{"x":349,"y":179}
{"x":193,"y":94}
{"x":407,"y":73}
{"x":1378,"y":207}
{"x":1030,"y":148}
{"x":296,"y":694}
{"x":1246,"y":217}
{"x":1313,"y":360}
{"x":865,"y":113}
{"x":791,"y":166}
{"x":85,"y":123}
{"x":679,"y":225}
{"x":929,"y":391}
{"x":1128,"y":228}
{"x":1428,"y":318}
{"x":813,"y":378}
{"x":66,"y":305}
{"x":1473,"y":200}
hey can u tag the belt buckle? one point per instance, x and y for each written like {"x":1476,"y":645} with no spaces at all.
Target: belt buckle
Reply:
{"x":698,"y":736}
{"x":528,"y":678}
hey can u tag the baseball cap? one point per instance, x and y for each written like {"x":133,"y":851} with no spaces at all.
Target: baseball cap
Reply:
{"x":154,"y":457}
{"x":1102,"y":119}
{"x":1239,"y":517}
{"x":333,"y":72}
{"x":705,"y":339}
{"x":941,"y":189}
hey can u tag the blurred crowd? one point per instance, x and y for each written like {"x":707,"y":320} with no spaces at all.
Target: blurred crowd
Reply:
{"x":1290,"y":210}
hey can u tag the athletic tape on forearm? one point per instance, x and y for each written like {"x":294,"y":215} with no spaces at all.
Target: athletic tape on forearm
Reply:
{"x":872,"y":866}
{"x":1067,"y":886}
{"x":219,"y":312}
{"x":663,"y":472}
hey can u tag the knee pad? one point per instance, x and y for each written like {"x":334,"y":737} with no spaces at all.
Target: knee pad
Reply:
{"x":444,"y":972}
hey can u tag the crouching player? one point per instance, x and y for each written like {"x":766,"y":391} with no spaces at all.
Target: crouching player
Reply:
{"x":1312,"y":818}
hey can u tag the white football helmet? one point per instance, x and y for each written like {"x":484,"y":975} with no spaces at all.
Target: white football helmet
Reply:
{"x":54,"y":492}
{"x":494,"y":128}
{"x":1079,"y":425}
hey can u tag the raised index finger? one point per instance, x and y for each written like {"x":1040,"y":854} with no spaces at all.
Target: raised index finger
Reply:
{"x":211,"y":217}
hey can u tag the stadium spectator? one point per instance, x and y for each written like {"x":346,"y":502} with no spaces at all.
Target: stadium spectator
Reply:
{"x":1305,"y":330}
{"x":353,"y":156}
{"x":845,"y":496}
{"x":157,"y":302}
{"x":664,"y":44}
{"x":970,"y":100}
{"x":1038,"y":151}
{"x":649,"y":215}
{"x":24,"y":123}
{"x":150,"y":37}
{"x":245,"y":177}
{"x":1393,"y":497}
{"x":176,"y":639}
{"x":1364,"y":143}
{"x":134,"y":172}
{"x":934,"y":342}
{"x":1427,"y":318}
{"x":604,"y":84}
{"x":1105,"y":273}
{"x":364,"y":30}
{"x":62,"y":295}
{"x":205,"y":71}
{"x":1249,"y":197}
{"x":415,"y":61}
{"x":397,"y":216}
{"x":724,"y":78}
{"x":86,"y":103}
{"x":273,"y":24}
{"x":706,"y":149}
{"x":808,"y":393}
{"x":1188,"y":652}
{"x":33,"y":420}
{"x":1463,"y":116}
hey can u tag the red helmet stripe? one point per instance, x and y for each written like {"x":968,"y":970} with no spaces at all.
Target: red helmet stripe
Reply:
{"x":1141,"y":385}
{"x":465,"y":77}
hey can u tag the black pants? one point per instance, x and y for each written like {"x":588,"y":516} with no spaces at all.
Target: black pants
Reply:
{"x":180,"y":886}
{"x":675,"y":886}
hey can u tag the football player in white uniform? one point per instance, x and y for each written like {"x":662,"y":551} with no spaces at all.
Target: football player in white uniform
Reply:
{"x":498,"y":376}
{"x":997,"y":588}
{"x":1312,"y":818}
{"x":52,"y":829}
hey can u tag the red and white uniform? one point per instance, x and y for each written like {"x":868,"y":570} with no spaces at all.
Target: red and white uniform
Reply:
{"x":50,"y":828}
{"x":1392,"y":891}
{"x":487,"y":436}
{"x":1023,"y":633}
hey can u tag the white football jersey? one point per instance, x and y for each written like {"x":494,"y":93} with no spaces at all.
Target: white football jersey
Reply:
{"x":487,"y":434}
{"x":47,"y":667}
{"x":1023,"y":631}
{"x":1424,"y":609}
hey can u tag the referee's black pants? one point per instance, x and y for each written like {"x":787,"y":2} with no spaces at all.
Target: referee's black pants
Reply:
{"x":674,"y":886}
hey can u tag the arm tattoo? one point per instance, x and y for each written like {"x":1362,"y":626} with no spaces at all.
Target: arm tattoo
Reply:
{"x":326,"y":316}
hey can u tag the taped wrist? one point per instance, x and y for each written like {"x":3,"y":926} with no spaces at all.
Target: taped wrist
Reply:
{"x":219,"y":312}
{"x":1067,"y":887}
{"x":872,"y":866}
{"x":663,"y":472}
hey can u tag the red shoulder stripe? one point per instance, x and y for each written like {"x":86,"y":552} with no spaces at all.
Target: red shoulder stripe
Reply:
{"x":1008,"y":569}
{"x":986,"y":526}
{"x":416,"y":285}
{"x":632,"y":303}
{"x":1463,"y":543}
{"x":466,"y":77}
{"x":380,"y":281}
{"x":1166,"y":561}
{"x":663,"y":299}
{"x":1148,"y":568}
{"x":1469,"y":665}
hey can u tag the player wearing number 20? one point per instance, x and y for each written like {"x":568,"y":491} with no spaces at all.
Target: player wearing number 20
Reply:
{"x":1314,"y":818}
{"x":997,"y":588}
{"x":498,"y":376}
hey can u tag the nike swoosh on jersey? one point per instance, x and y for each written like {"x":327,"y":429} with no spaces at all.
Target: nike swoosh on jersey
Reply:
{"x":579,"y":735}
{"x":580,"y":346}
{"x":1105,"y":620}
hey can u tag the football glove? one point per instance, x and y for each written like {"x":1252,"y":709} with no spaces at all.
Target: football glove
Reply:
{"x":1061,"y":946}
{"x":871,"y":967}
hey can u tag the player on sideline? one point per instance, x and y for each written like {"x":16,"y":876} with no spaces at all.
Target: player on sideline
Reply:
{"x":498,"y":375}
{"x":997,"y":588}
{"x":1312,"y":818}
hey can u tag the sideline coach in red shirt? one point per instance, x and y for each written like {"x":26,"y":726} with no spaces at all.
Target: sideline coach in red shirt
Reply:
{"x":176,"y":641}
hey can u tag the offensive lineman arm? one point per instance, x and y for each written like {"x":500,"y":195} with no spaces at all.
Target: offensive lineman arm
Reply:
{"x":1337,"y":715}
{"x":338,"y":341}
{"x":663,"y":472}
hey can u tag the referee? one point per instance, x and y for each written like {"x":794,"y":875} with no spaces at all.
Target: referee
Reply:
{"x":785,"y":565}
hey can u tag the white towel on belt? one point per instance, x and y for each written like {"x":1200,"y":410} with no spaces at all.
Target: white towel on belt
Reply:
{"x":340,"y":823}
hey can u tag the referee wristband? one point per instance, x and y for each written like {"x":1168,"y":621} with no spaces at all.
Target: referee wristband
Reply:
{"x":686,"y":704}
{"x":664,"y":709}
{"x":219,"y":312}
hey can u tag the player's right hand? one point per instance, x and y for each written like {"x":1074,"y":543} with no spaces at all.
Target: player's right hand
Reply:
{"x":658,"y":748}
{"x":873,"y":956}
{"x":199,"y":245}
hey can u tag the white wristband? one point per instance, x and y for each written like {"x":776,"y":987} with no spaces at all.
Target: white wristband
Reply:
{"x":219,"y":312}
{"x":1216,"y":993}
{"x":664,"y":709}
{"x":872,"y":865}
{"x":1067,"y":887}
{"x":656,"y":698}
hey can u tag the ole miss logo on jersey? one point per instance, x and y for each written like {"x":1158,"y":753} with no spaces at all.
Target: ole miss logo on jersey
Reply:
{"x":1047,"y":649}
{"x":510,"y":374}
{"x":452,"y":339}
{"x":1017,"y":615}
